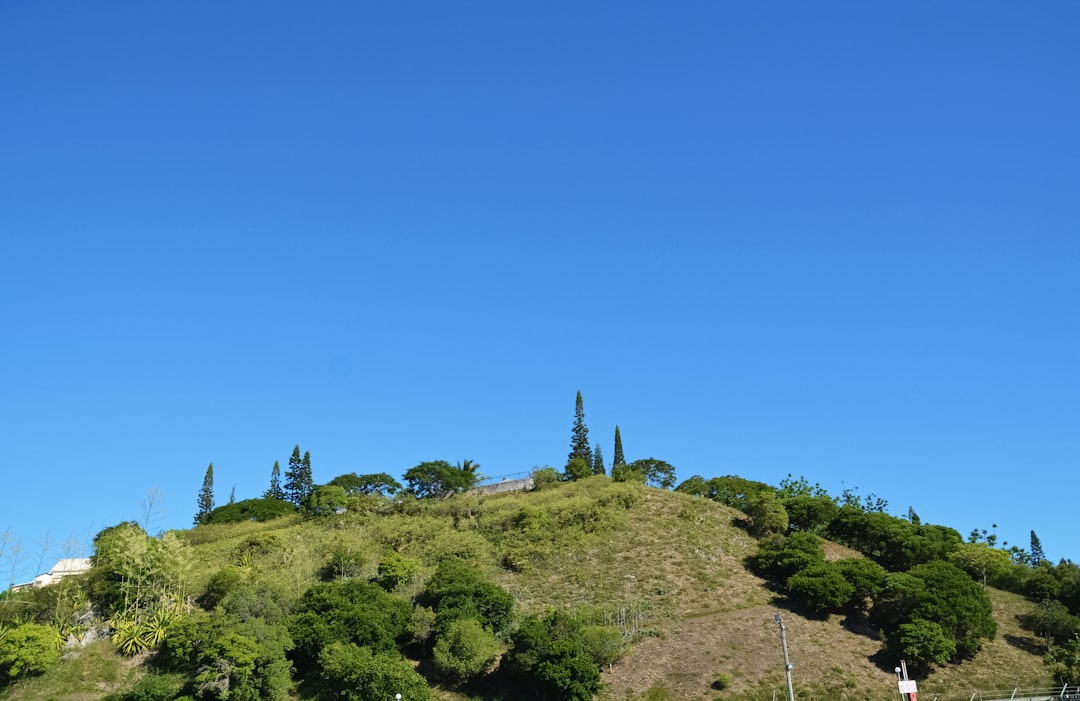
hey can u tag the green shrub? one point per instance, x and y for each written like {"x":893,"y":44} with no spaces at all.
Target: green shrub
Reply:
{"x":545,"y":477}
{"x":396,"y":570}
{"x":29,"y":649}
{"x":458,"y":591}
{"x":464,"y":649}
{"x":154,"y":687}
{"x":356,"y":673}
{"x":346,"y":610}
{"x":250,"y":510}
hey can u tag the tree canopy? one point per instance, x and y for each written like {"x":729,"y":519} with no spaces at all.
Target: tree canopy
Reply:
{"x":438,"y":478}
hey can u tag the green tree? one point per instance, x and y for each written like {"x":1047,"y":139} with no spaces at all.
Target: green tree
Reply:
{"x":344,"y":562}
{"x":294,"y":478}
{"x":471,"y":468}
{"x":356,"y":673}
{"x":780,"y":556}
{"x":941,"y":593}
{"x":206,"y":496}
{"x":548,"y":656}
{"x":378,"y":483}
{"x":275,"y":491}
{"x":923,"y":644}
{"x":1041,"y":583}
{"x":866,"y":578}
{"x":1051,"y":621}
{"x":325,"y":500}
{"x":306,"y":478}
{"x":464,"y":649}
{"x":657,"y":472}
{"x":577,"y":469}
{"x":228,"y":669}
{"x":134,"y":576}
{"x":618,"y":460}
{"x":251,"y":510}
{"x":822,"y":588}
{"x":598,"y":461}
{"x":767,"y":514}
{"x":958,"y":604}
{"x":233,"y":654}
{"x":579,"y":436}
{"x":983,"y":563}
{"x":1064,"y":662}
{"x":810,"y":513}
{"x":438,"y":478}
{"x":396,"y":570}
{"x":1037,"y":554}
{"x":346,"y":610}
{"x":457,"y":590}
{"x":299,"y":482}
{"x":728,"y":490}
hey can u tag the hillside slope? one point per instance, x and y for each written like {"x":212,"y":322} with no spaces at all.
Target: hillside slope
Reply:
{"x":665,"y":568}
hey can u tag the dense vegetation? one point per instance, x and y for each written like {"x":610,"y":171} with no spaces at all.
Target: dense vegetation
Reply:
{"x":362,"y":588}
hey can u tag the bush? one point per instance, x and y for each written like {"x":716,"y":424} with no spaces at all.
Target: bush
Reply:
{"x":781,"y":556}
{"x":250,"y":510}
{"x":464,"y":649}
{"x":357,"y":674}
{"x":822,"y":588}
{"x":350,"y":611}
{"x":923,"y":644}
{"x":458,"y":591}
{"x":548,"y":656}
{"x":29,"y":649}
{"x":545,"y":477}
{"x":395,"y":571}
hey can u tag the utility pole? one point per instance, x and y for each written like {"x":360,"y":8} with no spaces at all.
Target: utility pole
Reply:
{"x":787,"y":662}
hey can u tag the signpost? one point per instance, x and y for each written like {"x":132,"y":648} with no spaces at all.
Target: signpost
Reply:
{"x":908,"y":688}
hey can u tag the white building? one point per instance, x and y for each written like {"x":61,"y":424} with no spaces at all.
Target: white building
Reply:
{"x":64,"y":568}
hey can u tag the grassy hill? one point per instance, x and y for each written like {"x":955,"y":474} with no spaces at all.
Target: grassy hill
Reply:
{"x":665,"y":568}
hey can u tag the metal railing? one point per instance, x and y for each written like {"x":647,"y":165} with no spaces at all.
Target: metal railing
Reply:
{"x":1068,"y":692}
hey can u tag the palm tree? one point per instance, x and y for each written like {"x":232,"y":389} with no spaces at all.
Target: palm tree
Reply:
{"x":469,"y":469}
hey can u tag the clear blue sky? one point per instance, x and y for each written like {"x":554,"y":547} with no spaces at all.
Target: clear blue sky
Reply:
{"x":838,"y":240}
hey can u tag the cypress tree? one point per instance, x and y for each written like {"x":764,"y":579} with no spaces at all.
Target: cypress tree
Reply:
{"x":579,"y":438}
{"x":618,"y":460}
{"x":275,"y":491}
{"x":598,"y":461}
{"x":206,"y":496}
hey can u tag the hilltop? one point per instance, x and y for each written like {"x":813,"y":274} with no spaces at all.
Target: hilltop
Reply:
{"x":666,"y":570}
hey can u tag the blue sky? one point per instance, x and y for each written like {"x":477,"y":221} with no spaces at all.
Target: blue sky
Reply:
{"x":837,"y":240}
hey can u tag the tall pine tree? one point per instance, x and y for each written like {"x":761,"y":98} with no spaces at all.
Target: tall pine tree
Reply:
{"x":598,"y":461}
{"x":206,"y":496}
{"x":579,"y":438}
{"x":275,"y":491}
{"x":618,"y":460}
{"x":1037,"y":554}
{"x":294,"y":478}
{"x":307,"y":484}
